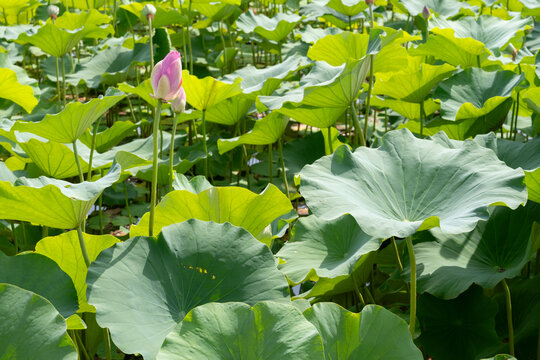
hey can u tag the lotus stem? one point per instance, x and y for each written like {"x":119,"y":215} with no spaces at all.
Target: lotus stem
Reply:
{"x":205,"y":148}
{"x":270,"y":170}
{"x":516,"y":114}
{"x":189,"y":38}
{"x":127,"y":202}
{"x":94,"y":138}
{"x":330,"y":146}
{"x":224,"y":48}
{"x":398,"y":258}
{"x":283,"y":173}
{"x":421,"y":119}
{"x":368,"y":100}
{"x":63,"y":82}
{"x":247,"y":166}
{"x":509,"y":316}
{"x":83,"y":245}
{"x":107,"y":339}
{"x":151,"y":41}
{"x":153,"y":192}
{"x":58,"y":85}
{"x":171,"y":151}
{"x":15,"y":241}
{"x":357,"y":290}
{"x":371,"y":18}
{"x":412,"y":259}
{"x":79,"y":168}
{"x":357,"y":128}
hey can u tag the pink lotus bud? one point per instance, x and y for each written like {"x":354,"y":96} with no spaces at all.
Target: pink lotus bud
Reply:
{"x":370,"y":2}
{"x":426,"y":13}
{"x":149,"y":10}
{"x":53,"y":11}
{"x":178,"y":105}
{"x":166,"y":77}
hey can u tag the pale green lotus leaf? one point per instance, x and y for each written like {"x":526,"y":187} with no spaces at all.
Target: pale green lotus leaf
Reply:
{"x":13,"y":90}
{"x":274,"y":29}
{"x":204,"y":93}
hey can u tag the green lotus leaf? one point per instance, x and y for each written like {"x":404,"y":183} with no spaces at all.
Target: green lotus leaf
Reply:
{"x":144,"y":90}
{"x":189,"y":264}
{"x":445,"y":8}
{"x":274,"y":29}
{"x":318,"y":9}
{"x":11,"y":33}
{"x":328,"y":249}
{"x":311,"y":35}
{"x":412,"y":84}
{"x":204,"y":93}
{"x":13,"y":90}
{"x":410,"y":184}
{"x":495,"y":250}
{"x":69,"y":124}
{"x":321,"y":117}
{"x":493,"y":32}
{"x":236,"y":331}
{"x":24,"y":316}
{"x":214,"y":12}
{"x":461,"y":328}
{"x":65,"y":250}
{"x":444,"y":45}
{"x":52,"y":202}
{"x":195,"y":185}
{"x":163,"y":17}
{"x":238,"y":206}
{"x":406,"y":109}
{"x":474,"y":92}
{"x":532,"y":98}
{"x":347,"y":7}
{"x":229,"y":111}
{"x":266,"y":131}
{"x":265,"y":81}
{"x":374,"y":333}
{"x":40,"y":275}
{"x":109,"y":137}
{"x":325,"y":86}
{"x":93,"y":18}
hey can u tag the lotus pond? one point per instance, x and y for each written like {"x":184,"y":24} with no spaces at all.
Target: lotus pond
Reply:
{"x":285,"y":179}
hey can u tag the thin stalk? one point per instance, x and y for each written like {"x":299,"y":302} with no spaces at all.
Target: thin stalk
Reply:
{"x":385,"y":120}
{"x":247,"y":166}
{"x":15,"y":241}
{"x":357,"y":128}
{"x":371,"y":19}
{"x":171,"y":151}
{"x":151,"y":41}
{"x":412,"y":260}
{"x":512,"y":121}
{"x":100,"y":214}
{"x":63,"y":81}
{"x":283,"y":173}
{"x":58,"y":85}
{"x":94,"y":136}
{"x":127,"y":203}
{"x":79,"y":168}
{"x":133,"y":116}
{"x":153,"y":192}
{"x":224,"y":47}
{"x":270,"y":163}
{"x":189,"y":38}
{"x":509,"y":316}
{"x":81,"y":347}
{"x":369,"y":295}
{"x":330,"y":146}
{"x":398,"y":258}
{"x":205,"y":168}
{"x":107,"y":339}
{"x":82,"y":244}
{"x":184,"y":45}
{"x":421,"y":119}
{"x":23,"y":230}
{"x":357,"y":290}
{"x":516,"y":116}
{"x":368,"y":100}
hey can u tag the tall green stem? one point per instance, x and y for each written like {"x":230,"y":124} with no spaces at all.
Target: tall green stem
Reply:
{"x":368,"y":100}
{"x":330,"y":145}
{"x":63,"y":81}
{"x":82,"y":244}
{"x":94,"y":138}
{"x":396,"y":250}
{"x":516,"y":116}
{"x":126,"y":198}
{"x":270,"y":163}
{"x":79,"y":168}
{"x":151,"y":42}
{"x":107,"y":339}
{"x":189,"y":38}
{"x":358,"y":135}
{"x":282,"y":160}
{"x":412,"y":260}
{"x":244,"y":149}
{"x":205,"y":148}
{"x":171,"y":151}
{"x":422,"y":119}
{"x":58,"y":85}
{"x":509,"y":316}
{"x":153,"y":193}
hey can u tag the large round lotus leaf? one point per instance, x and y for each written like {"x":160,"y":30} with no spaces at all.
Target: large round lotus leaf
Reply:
{"x":338,"y":49}
{"x":444,"y":8}
{"x":65,"y":250}
{"x":474,"y":92}
{"x":266,"y":131}
{"x":412,"y":84}
{"x":267,"y":331}
{"x":347,"y":7}
{"x":462,"y":328}
{"x":406,"y":109}
{"x":274,"y":29}
{"x":229,"y":111}
{"x":374,"y":334}
{"x":109,"y":137}
{"x":238,"y":206}
{"x":31,"y":328}
{"x":38,"y":274}
{"x":321,"y":117}
{"x":489,"y":30}
{"x":11,"y":89}
{"x":204,"y":93}
{"x":68,"y":125}
{"x":73,"y":21}
{"x":320,"y":248}
{"x":494,"y":250}
{"x":143,"y":288}
{"x":52,"y":202}
{"x":410,"y":184}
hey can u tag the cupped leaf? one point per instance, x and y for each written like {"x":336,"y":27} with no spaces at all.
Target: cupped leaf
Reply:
{"x":195,"y":185}
{"x":340,"y":48}
{"x":375,"y":333}
{"x":266,"y":131}
{"x":229,"y":111}
{"x":495,"y":250}
{"x":11,"y":89}
{"x":204,"y":93}
{"x":320,"y":248}
{"x":109,"y":137}
{"x":65,"y":250}
{"x":406,"y":109}
{"x":31,"y":328}
{"x":189,"y":264}
{"x":143,"y":90}
{"x":274,"y":29}
{"x":52,"y":202}
{"x":86,"y":19}
{"x":461,"y":328}
{"x":40,"y":275}
{"x":236,"y":331}
{"x":410,"y":184}
{"x":238,"y":206}
{"x":444,"y":8}
{"x":347,"y":7}
{"x":321,"y":117}
{"x":474,"y":92}
{"x":68,"y":125}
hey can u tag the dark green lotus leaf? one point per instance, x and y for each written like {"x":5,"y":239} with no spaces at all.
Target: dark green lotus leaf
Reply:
{"x":68,"y":125}
{"x":495,"y":250}
{"x":109,"y":137}
{"x":50,"y":202}
{"x":410,"y":184}
{"x":406,"y":109}
{"x":268,"y":330}
{"x":474,"y":92}
{"x":25,"y":315}
{"x":189,"y":264}
{"x":444,"y":8}
{"x":325,"y":86}
{"x":38,"y":274}
{"x":321,"y":117}
{"x":320,"y":248}
{"x":462,"y":328}
{"x":374,"y":333}
{"x":266,"y":131}
{"x":274,"y":29}
{"x":493,"y":32}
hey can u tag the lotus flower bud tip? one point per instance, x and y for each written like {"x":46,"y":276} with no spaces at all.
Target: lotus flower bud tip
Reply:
{"x":178,"y":105}
{"x":149,"y":11}
{"x":370,"y":2}
{"x":53,"y":11}
{"x":166,"y":77}
{"x":426,"y":13}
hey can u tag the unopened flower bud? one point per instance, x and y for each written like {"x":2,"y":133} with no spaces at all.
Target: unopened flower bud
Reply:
{"x":53,"y":11}
{"x":426,"y":13}
{"x":370,"y":2}
{"x":166,"y":77}
{"x":514,"y":51}
{"x":178,"y":105}
{"x":149,"y":11}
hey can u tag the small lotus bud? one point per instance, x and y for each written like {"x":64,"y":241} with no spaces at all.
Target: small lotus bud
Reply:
{"x":149,"y":11}
{"x":514,"y":51}
{"x":178,"y":105}
{"x":426,"y":13}
{"x":370,"y":2}
{"x":53,"y":11}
